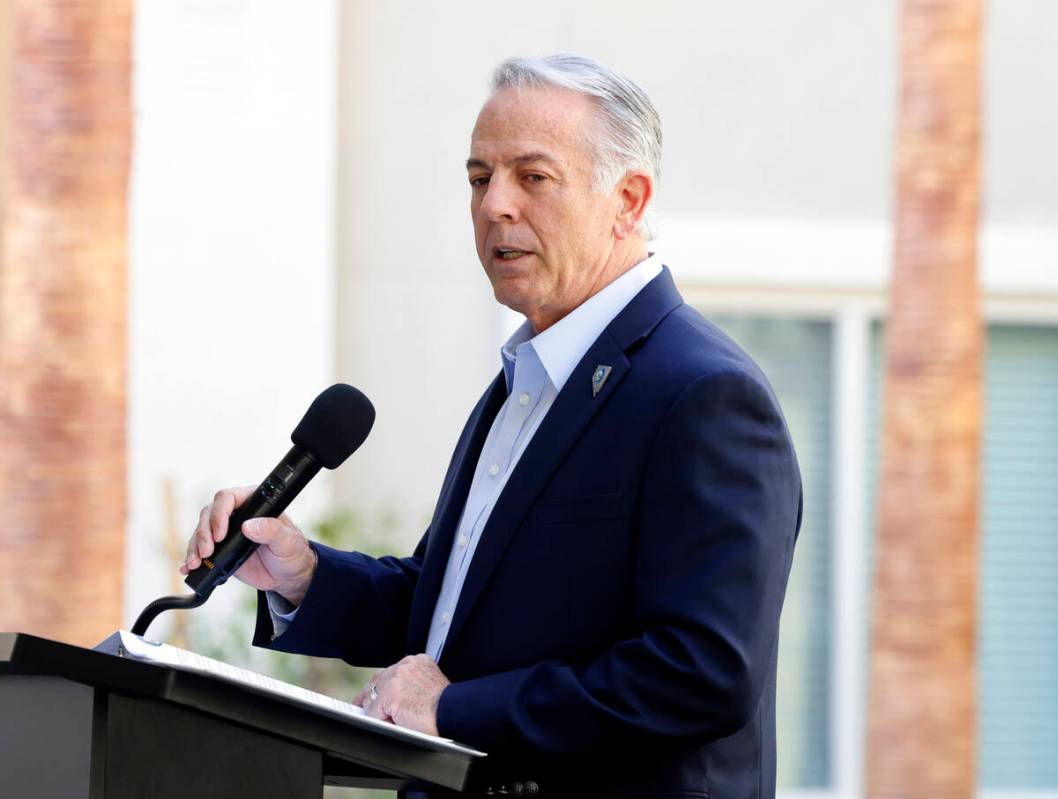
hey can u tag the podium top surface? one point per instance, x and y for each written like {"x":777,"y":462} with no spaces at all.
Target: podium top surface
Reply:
{"x":351,"y":748}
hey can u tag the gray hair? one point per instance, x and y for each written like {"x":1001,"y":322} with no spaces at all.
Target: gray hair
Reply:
{"x":630,"y":128}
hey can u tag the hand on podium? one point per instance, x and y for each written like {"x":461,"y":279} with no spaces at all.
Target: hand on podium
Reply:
{"x":406,"y":693}
{"x":284,"y":563}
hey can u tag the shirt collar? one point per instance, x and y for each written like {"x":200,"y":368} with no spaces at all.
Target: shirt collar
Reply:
{"x":562,"y":345}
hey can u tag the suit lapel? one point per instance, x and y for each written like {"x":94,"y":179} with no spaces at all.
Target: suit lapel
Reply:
{"x":574,"y":408}
{"x":449,"y":508}
{"x":572,"y":411}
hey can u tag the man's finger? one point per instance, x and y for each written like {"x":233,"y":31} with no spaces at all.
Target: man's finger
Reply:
{"x":224,"y":502}
{"x":364,"y":697}
{"x":212,"y":525}
{"x":371,"y":696}
{"x":201,"y":534}
{"x":203,"y":520}
{"x":219,"y":511}
{"x":376,"y":708}
{"x":266,"y":530}
{"x":191,"y":546}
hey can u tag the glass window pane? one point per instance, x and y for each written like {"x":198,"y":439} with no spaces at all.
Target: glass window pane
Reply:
{"x":1018,"y":597}
{"x":1018,"y":627}
{"x":796,"y":356}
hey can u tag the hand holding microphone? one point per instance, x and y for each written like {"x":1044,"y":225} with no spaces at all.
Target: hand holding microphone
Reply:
{"x":333,"y":427}
{"x":283,"y":562}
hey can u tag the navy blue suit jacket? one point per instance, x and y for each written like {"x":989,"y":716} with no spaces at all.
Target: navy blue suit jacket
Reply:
{"x":618,"y":628}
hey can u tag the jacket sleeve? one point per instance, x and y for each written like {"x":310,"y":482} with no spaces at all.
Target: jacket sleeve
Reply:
{"x":718,"y":517}
{"x":356,"y":608}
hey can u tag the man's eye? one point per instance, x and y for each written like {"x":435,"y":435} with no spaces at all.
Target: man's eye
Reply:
{"x":534,"y":177}
{"x":480,"y":180}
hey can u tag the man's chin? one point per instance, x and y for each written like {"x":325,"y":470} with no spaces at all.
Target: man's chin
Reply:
{"x":516,"y":291}
{"x":513,"y":300}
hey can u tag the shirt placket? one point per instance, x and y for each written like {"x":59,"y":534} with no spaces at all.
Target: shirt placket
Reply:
{"x":516,"y":413}
{"x":514,"y":420}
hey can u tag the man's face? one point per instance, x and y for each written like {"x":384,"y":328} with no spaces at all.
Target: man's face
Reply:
{"x":544,"y":237}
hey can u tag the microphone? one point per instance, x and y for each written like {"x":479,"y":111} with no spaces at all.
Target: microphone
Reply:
{"x":332,"y":429}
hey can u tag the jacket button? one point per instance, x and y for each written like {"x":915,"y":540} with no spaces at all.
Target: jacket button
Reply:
{"x":516,"y":789}
{"x":531,"y":789}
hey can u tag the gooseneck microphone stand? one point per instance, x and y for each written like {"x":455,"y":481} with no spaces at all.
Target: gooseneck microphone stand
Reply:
{"x":270,"y":498}
{"x":336,"y":423}
{"x":149,"y":613}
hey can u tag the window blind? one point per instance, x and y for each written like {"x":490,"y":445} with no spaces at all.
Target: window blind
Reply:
{"x":1018,"y":570}
{"x":796,"y":356}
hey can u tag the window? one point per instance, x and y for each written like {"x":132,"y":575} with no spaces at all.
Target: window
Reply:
{"x":796,"y":356}
{"x":1018,"y":599}
{"x":1018,"y":571}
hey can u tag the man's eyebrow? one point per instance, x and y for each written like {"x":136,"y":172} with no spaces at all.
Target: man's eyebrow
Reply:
{"x":530,"y":157}
{"x":477,"y":163}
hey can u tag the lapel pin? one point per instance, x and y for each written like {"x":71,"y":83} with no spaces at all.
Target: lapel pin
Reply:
{"x":598,"y":379}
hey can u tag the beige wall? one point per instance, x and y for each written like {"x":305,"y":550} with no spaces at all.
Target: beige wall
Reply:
{"x":774,"y":110}
{"x":231,"y":258}
{"x":310,"y":163}
{"x":777,"y":114}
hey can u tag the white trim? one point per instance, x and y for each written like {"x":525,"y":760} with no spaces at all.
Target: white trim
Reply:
{"x":802,"y":303}
{"x":849,"y":530}
{"x":1020,"y":261}
{"x":1021,"y":310}
{"x":777,"y":253}
{"x":823,"y":305}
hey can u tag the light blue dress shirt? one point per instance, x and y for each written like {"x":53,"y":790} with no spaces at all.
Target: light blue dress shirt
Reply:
{"x":535,"y":368}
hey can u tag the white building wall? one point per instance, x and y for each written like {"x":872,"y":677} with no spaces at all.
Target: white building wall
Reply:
{"x":300,"y":214}
{"x":778,"y":124}
{"x":232,"y":230}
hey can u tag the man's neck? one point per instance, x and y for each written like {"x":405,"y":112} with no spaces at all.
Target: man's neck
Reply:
{"x":625,"y":255}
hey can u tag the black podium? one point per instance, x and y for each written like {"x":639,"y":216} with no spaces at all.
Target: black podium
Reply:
{"x":80,"y":723}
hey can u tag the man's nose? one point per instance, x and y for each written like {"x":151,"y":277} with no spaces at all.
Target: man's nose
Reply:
{"x":500,"y":201}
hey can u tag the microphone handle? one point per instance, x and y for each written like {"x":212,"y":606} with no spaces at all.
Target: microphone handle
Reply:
{"x":269,"y":499}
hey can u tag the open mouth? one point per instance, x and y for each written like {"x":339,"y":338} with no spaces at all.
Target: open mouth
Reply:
{"x":507,"y":254}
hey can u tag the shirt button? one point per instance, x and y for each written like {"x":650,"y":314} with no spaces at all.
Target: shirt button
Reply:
{"x":494,"y":469}
{"x":446,"y":616}
{"x":524,"y":399}
{"x":463,"y":540}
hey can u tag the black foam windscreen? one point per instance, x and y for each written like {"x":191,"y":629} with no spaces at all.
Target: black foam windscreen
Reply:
{"x":335,"y":425}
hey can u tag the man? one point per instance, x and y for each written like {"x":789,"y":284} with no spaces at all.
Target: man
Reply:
{"x":596,"y":601}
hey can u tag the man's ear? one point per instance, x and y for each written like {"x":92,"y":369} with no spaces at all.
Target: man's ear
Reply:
{"x":635,"y":190}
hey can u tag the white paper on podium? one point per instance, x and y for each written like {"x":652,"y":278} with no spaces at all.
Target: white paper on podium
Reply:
{"x":125,"y":644}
